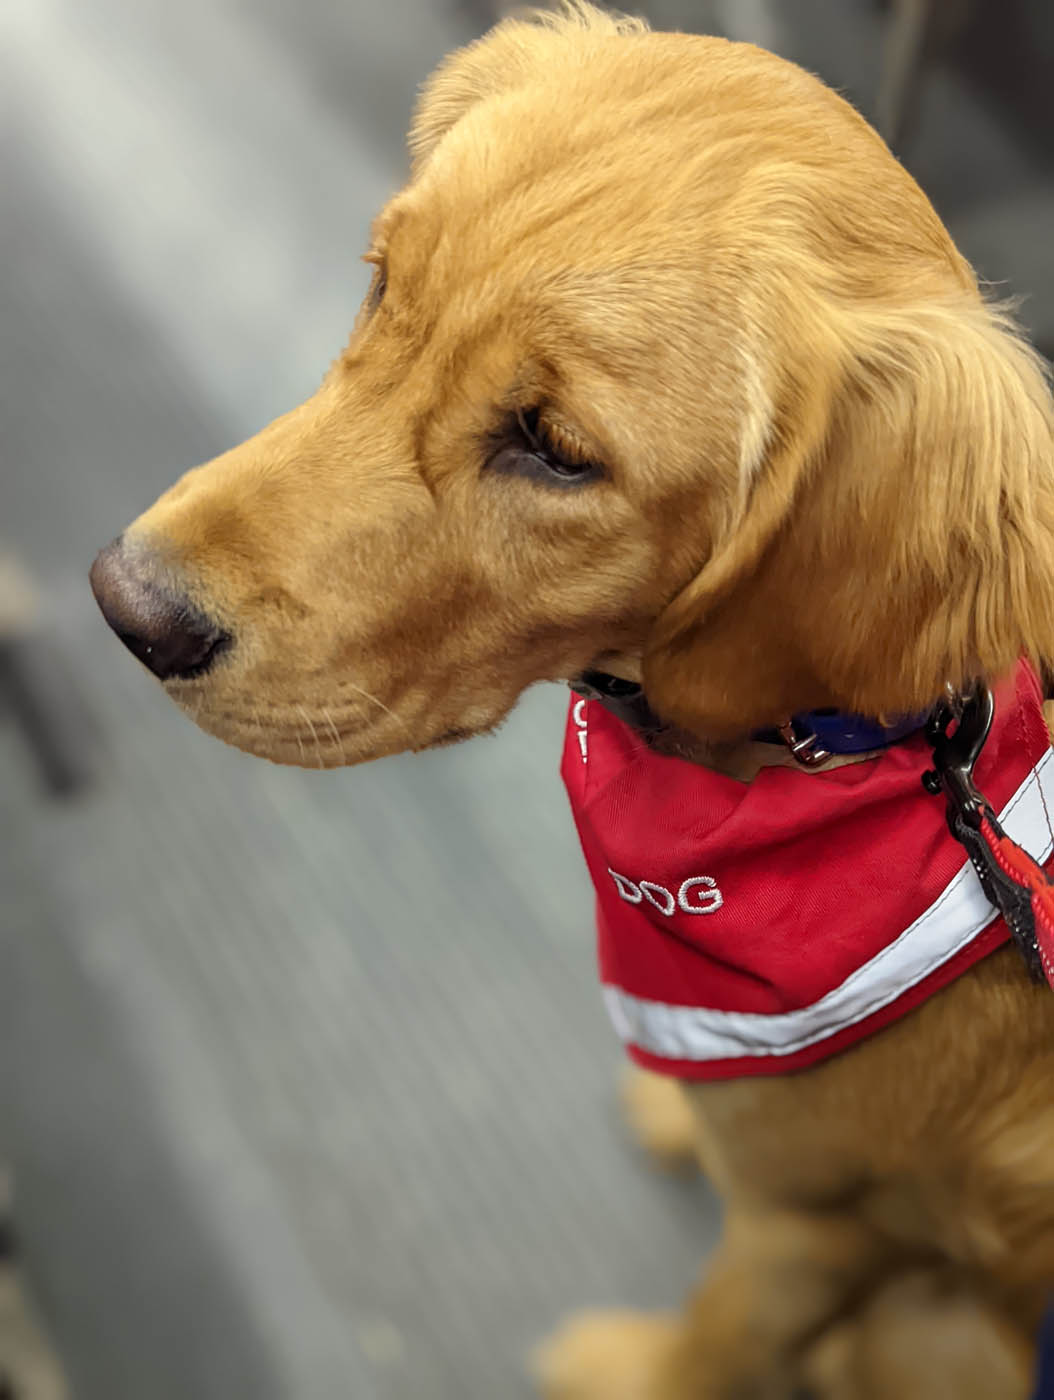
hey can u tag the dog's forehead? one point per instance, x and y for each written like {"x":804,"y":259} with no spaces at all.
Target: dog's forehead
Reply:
{"x":596,"y":167}
{"x":547,"y":231}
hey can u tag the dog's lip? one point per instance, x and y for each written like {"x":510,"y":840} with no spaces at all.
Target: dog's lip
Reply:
{"x":291,"y":732}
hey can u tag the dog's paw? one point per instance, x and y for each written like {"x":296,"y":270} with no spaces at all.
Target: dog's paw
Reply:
{"x":660,"y":1118}
{"x":606,"y":1355}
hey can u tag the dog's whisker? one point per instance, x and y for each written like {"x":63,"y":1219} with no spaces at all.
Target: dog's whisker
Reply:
{"x":373,"y":699}
{"x":337,"y":737}
{"x":314,"y":734}
{"x":299,"y":743}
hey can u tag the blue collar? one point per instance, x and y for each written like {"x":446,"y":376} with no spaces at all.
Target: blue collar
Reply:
{"x":838,"y":732}
{"x":811,"y":737}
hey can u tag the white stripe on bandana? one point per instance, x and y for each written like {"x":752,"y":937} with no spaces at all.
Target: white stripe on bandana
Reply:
{"x":955,"y":917}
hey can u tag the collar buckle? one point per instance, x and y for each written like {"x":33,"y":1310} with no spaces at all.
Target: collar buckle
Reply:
{"x":805,"y":747}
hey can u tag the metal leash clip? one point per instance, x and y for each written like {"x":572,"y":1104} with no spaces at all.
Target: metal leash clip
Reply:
{"x":956,"y":731}
{"x":1014,"y":883}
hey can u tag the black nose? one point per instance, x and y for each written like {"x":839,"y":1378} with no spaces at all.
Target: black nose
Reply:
{"x":159,"y":626}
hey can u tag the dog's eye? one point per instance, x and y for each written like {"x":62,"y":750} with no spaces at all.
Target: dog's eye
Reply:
{"x":544,"y":453}
{"x":378,"y":261}
{"x":378,"y":287}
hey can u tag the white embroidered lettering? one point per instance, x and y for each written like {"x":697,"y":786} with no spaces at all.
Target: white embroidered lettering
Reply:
{"x":578,"y":714}
{"x":709,"y":898}
{"x":626,"y":888}
{"x":698,"y":895}
{"x":658,"y":895}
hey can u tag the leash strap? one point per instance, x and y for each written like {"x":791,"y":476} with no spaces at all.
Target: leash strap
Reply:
{"x":1013,"y":882}
{"x":1017,"y":886}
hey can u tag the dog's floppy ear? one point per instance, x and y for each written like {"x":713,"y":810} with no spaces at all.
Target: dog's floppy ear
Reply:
{"x":898,"y":532}
{"x":506,"y":58}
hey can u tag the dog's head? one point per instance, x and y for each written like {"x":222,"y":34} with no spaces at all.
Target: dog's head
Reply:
{"x":667,"y":364}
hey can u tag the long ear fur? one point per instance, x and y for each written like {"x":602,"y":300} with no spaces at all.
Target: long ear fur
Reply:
{"x":503,"y":60}
{"x":899,"y":532}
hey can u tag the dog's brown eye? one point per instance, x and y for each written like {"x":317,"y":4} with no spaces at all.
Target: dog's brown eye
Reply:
{"x":560,"y":459}
{"x":541,"y":452}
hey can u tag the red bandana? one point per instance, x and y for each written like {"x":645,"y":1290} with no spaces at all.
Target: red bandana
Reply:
{"x":757,"y":928}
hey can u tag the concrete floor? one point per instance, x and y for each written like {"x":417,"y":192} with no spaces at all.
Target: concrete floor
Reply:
{"x":304,"y":1077}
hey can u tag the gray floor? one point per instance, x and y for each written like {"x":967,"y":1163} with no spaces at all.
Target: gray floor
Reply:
{"x":304,"y":1077}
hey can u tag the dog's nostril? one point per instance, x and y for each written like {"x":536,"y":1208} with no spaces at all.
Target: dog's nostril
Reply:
{"x":162,"y":629}
{"x":182,"y":649}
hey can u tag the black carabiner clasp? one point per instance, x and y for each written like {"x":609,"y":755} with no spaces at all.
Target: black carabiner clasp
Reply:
{"x":957,"y":730}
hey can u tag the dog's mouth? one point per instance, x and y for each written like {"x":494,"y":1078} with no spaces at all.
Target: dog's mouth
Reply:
{"x":299,"y":738}
{"x":338,"y":733}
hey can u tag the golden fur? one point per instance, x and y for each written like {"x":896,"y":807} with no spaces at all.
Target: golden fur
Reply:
{"x":829,"y":480}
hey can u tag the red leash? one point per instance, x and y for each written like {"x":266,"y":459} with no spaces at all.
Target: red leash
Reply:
{"x":1026,"y":874}
{"x":1013,"y":882}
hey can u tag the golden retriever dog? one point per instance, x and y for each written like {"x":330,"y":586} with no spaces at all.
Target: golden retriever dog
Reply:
{"x":668,"y":368}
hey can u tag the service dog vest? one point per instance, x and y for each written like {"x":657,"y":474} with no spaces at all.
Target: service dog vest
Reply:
{"x":755,"y":928}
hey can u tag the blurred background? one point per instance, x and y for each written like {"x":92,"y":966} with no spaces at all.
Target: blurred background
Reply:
{"x":305,"y":1086}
